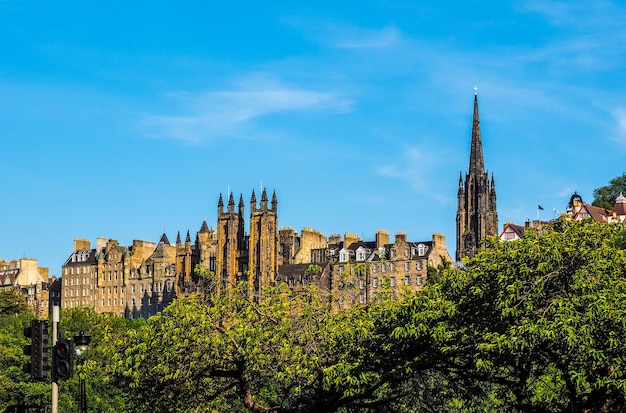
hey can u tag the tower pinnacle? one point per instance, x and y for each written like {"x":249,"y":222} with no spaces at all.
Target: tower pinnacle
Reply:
{"x":477,"y":163}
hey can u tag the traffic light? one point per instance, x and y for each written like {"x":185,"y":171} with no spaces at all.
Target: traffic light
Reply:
{"x":62,"y":362}
{"x":37,"y":367}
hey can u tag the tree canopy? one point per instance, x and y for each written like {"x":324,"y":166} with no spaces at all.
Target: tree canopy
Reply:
{"x":532,"y":325}
{"x":605,"y":196}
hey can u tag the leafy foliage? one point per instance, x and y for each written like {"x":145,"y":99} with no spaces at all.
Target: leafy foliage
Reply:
{"x":533,"y":325}
{"x":604,"y":197}
{"x":540,"y":322}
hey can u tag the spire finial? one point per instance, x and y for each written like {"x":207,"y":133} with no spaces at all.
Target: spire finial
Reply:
{"x":475,"y":90}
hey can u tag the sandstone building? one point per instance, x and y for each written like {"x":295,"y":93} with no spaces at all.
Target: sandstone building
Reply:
{"x":139,"y":280}
{"x":31,"y":280}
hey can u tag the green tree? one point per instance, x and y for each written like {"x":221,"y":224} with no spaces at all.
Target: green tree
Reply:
{"x":12,"y":303}
{"x":605,"y":196}
{"x":534,"y":325}
{"x":276,"y":353}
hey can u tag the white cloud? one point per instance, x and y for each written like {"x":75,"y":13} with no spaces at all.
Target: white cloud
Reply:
{"x":229,"y":113}
{"x":620,"y":125}
{"x":358,"y":38}
{"x":413,"y":167}
{"x":345,"y":36}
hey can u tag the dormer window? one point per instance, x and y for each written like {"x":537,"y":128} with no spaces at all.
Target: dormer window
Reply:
{"x":360,"y":254}
{"x":344,"y":255}
{"x":421,"y":250}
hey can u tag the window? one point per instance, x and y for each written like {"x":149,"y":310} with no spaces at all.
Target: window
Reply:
{"x":407,"y":266}
{"x":77,"y":281}
{"x":420,"y":265}
{"x":361,"y":298}
{"x":393,"y":266}
{"x":361,"y":284}
{"x":375,"y":282}
{"x":421,"y":250}
{"x":392,"y":281}
{"x":384,"y":268}
{"x":407,"y":280}
{"x":132,"y":288}
{"x":419,"y":280}
{"x":375,"y":267}
{"x":343,"y":256}
{"x":340,"y":269}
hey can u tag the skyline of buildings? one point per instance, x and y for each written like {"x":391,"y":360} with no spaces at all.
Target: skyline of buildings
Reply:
{"x":138,"y":280}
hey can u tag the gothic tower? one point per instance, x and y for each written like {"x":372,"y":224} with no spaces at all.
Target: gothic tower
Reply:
{"x":230,"y":242}
{"x":263,"y":241}
{"x":476,"y":216}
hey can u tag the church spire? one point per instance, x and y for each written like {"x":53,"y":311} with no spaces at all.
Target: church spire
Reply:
{"x":477,"y":162}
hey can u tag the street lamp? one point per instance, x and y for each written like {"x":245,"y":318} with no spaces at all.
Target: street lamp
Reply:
{"x":81,"y":347}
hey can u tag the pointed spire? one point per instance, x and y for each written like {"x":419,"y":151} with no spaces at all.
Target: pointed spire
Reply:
{"x":264,"y":200}
{"x":188,"y":238}
{"x":204,"y":227}
{"x":241,"y":204}
{"x":253,"y":201}
{"x":477,"y":163}
{"x":220,"y":203}
{"x":178,"y":238}
{"x":164,"y":239}
{"x":231,"y":203}
{"x":274,"y":201}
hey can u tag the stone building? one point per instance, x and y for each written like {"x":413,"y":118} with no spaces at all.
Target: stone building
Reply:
{"x":141,"y":279}
{"x":356,"y":272}
{"x":137,"y":280}
{"x":32,"y":281}
{"x":476,"y":217}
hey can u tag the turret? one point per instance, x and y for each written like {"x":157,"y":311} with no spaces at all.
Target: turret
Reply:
{"x":274,"y":202}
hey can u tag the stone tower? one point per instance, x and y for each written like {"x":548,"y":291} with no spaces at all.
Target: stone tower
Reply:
{"x":230,"y":242}
{"x":263,"y":242}
{"x":476,"y":216}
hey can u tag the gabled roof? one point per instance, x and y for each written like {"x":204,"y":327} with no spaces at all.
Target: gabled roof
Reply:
{"x":596,"y":213}
{"x":510,"y":228}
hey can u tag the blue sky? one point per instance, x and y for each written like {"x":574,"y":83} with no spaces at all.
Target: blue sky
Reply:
{"x":128,"y":119}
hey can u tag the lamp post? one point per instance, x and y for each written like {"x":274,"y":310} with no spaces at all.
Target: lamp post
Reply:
{"x":81,"y":347}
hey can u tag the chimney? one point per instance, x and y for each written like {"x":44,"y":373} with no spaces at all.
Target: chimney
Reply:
{"x":81,"y":244}
{"x":349,"y":239}
{"x":382,"y":238}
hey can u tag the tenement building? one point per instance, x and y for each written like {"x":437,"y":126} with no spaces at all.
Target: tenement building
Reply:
{"x":476,"y":216}
{"x":31,"y":281}
{"x":139,"y":280}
